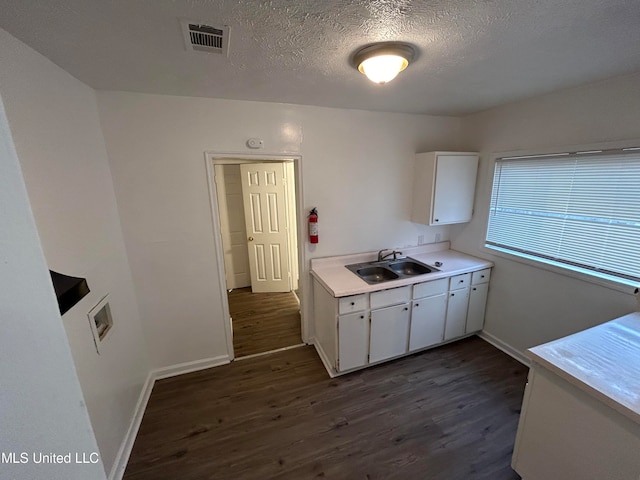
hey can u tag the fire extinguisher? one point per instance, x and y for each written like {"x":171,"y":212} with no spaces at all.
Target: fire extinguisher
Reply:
{"x":313,"y":226}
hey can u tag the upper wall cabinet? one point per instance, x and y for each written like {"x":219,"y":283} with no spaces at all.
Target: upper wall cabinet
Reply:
{"x":444,"y":187}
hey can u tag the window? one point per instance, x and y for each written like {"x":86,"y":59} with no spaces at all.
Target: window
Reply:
{"x":580,"y":210}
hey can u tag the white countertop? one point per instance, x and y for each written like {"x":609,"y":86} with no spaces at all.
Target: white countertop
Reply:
{"x":341,"y":282}
{"x":604,"y":361}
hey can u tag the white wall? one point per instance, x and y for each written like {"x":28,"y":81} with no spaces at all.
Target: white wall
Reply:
{"x":528,"y":305}
{"x":55,"y":126}
{"x":41,"y":405}
{"x":357,"y":168}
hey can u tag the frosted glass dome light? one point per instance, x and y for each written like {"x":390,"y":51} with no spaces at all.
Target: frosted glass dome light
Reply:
{"x":382,"y":62}
{"x":383,"y":68}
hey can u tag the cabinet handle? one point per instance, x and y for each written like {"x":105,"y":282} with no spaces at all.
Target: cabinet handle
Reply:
{"x":453,"y":294}
{"x":406,"y":308}
{"x":436,"y":220}
{"x":481,"y":276}
{"x":353,"y":303}
{"x":361,"y":316}
{"x":417,"y":304}
{"x":474,"y":289}
{"x":461,"y":281}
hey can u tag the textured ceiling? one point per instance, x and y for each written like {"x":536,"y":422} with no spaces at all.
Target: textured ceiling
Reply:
{"x":472,"y":54}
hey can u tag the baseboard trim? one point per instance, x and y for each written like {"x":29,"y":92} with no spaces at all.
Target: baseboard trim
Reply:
{"x":122,"y":458}
{"x":505,"y":347}
{"x":189,"y":367}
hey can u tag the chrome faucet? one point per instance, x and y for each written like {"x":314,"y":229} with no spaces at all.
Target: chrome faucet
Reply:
{"x":381,"y":257}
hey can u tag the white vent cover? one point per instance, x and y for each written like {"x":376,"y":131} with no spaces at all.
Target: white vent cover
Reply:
{"x":201,"y":37}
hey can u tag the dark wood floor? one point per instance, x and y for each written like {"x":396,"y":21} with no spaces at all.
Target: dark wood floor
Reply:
{"x":263,"y":321}
{"x":448,"y":413}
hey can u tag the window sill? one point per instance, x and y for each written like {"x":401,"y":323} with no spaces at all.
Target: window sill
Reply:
{"x":629,"y":287}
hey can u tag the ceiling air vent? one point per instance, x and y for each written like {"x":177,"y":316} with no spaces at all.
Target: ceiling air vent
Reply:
{"x":201,"y":37}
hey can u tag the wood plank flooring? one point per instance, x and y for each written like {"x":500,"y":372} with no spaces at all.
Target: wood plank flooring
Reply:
{"x":263,"y":321}
{"x":447,"y":413}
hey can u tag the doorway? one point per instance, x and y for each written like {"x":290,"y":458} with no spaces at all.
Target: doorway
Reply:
{"x":257,"y":214}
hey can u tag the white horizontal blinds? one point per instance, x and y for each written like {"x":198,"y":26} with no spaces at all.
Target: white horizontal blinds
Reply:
{"x":582,"y":210}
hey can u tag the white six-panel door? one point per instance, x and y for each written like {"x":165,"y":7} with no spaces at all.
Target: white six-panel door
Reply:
{"x":263,"y":195}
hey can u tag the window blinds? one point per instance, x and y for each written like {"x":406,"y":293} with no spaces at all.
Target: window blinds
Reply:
{"x":576,"y":209}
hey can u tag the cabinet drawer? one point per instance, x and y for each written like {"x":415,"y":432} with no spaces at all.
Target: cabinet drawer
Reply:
{"x":459,"y":281}
{"x":392,"y":296}
{"x":481,"y":276}
{"x":354,"y":303}
{"x":429,"y":289}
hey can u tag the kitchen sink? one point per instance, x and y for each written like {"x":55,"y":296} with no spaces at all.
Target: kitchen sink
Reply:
{"x":376,"y":274}
{"x":409,"y":268}
{"x":387,"y":270}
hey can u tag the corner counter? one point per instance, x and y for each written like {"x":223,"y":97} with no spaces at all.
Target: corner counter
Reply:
{"x":581,"y":409}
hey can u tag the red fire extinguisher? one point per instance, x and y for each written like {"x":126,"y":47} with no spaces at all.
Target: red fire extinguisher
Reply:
{"x":313,"y":226}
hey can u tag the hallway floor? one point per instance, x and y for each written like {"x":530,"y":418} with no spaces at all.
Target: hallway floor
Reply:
{"x":263,"y":321}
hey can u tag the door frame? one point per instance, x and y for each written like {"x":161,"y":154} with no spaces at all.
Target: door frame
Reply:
{"x":212,"y":158}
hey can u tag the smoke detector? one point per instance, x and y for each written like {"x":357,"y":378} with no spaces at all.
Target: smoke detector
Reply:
{"x":204,"y":37}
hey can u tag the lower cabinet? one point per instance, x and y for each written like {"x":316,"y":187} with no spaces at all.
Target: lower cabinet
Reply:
{"x":456,"y":319}
{"x":427,"y":321}
{"x":477,"y":304}
{"x":353,"y":340}
{"x":389,"y":332}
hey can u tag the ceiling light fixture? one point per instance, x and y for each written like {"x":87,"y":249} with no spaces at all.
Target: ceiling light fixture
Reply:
{"x":382,"y":62}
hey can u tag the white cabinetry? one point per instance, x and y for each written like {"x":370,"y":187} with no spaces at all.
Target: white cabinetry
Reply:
{"x":353,"y":340}
{"x":477,"y":300}
{"x":428,"y":311}
{"x":477,"y":304}
{"x":444,"y":187}
{"x":457,"y":304}
{"x":389,"y":332}
{"x":355,"y":331}
{"x":392,"y":296}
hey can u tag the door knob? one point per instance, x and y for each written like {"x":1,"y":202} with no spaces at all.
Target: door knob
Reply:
{"x":250,"y":239}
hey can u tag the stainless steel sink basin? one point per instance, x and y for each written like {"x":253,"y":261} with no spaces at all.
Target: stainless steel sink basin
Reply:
{"x":385,"y":271}
{"x":409,"y":268}
{"x":376,"y":274}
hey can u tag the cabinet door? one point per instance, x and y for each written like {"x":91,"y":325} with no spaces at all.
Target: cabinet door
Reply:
{"x":477,"y":303}
{"x":389,"y":332}
{"x":455,"y":185}
{"x":456,"y":313}
{"x":353,"y":340}
{"x":427,"y":321}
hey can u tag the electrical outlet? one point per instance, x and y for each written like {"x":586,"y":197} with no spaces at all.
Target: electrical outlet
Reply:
{"x":420,"y":239}
{"x":438,"y":237}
